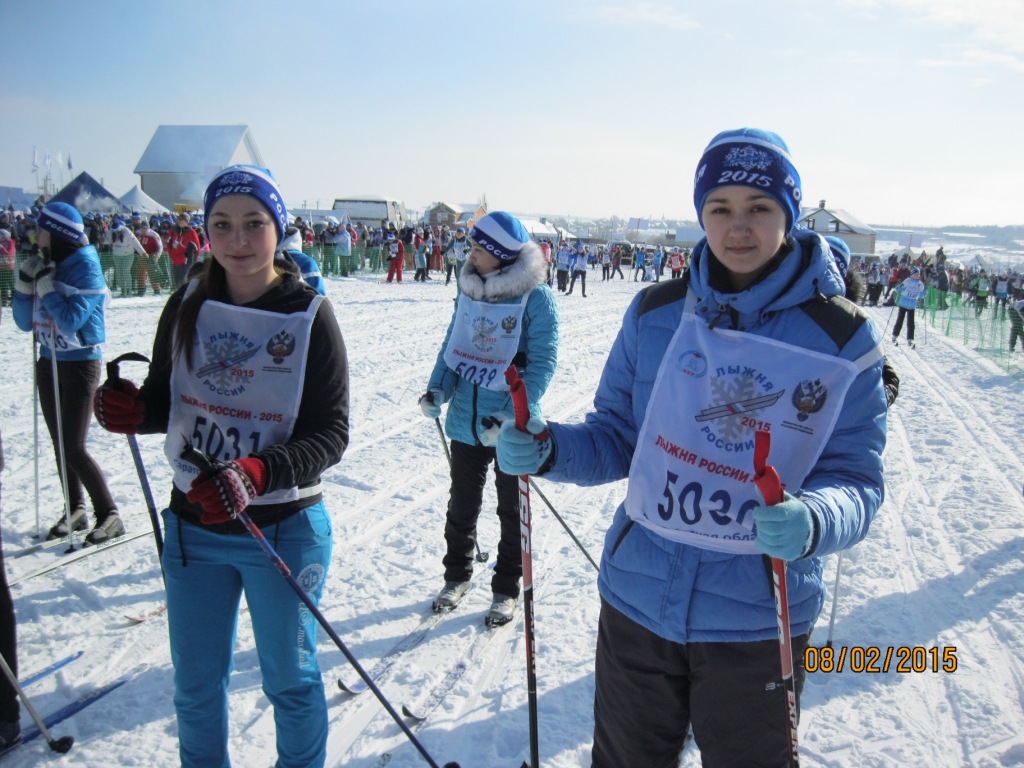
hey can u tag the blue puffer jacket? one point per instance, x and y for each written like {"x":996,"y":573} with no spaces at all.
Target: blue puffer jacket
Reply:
{"x":538,"y":345}
{"x":684,"y":593}
{"x":80,"y":312}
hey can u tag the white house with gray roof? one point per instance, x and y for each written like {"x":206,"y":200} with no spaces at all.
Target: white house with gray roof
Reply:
{"x":842,"y":224}
{"x":181,"y":159}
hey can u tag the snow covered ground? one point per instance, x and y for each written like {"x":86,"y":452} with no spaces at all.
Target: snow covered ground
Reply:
{"x":942,"y":568}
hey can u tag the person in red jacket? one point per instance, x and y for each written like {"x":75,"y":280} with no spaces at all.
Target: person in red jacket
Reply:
{"x":182,"y":248}
{"x":147,"y":267}
{"x":394,"y":252}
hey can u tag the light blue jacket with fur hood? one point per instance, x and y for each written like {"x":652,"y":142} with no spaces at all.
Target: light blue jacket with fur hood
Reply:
{"x":687,"y":594}
{"x":468,"y":404}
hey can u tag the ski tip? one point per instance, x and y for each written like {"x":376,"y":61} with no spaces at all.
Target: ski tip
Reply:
{"x":412,"y":715}
{"x":354,"y":689}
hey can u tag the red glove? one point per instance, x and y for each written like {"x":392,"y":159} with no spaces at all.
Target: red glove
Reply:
{"x":117,"y":407}
{"x":230,"y":490}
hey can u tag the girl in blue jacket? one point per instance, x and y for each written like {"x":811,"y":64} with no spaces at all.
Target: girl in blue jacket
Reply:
{"x":505,"y":315}
{"x":757,"y":338}
{"x":61,"y":296}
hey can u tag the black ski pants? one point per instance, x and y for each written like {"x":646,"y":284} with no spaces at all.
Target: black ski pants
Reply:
{"x":583,"y":281}
{"x":903,"y":312}
{"x":649,"y":691}
{"x":77,"y":381}
{"x":8,"y":636}
{"x":469,"y":474}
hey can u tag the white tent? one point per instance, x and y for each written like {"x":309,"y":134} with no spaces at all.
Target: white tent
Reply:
{"x":138,"y":201}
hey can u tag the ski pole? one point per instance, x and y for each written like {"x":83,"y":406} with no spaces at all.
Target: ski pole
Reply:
{"x":211,"y":466}
{"x":35,"y":423}
{"x":481,"y":557}
{"x":564,"y":524}
{"x":835,"y":599}
{"x":521,"y":405}
{"x":64,"y":743}
{"x":768,"y":483}
{"x":889,"y":319}
{"x":113,"y":376}
{"x":58,"y":417}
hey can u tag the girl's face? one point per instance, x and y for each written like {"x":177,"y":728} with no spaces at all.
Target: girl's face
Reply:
{"x":745,"y":229}
{"x":482,"y":259}
{"x":243,"y":239}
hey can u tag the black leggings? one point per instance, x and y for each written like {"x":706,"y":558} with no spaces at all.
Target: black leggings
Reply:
{"x":469,"y":474}
{"x":902,"y":313}
{"x":78,"y":380}
{"x":8,"y":637}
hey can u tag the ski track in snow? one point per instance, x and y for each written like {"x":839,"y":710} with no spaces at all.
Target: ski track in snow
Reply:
{"x":941,"y":567}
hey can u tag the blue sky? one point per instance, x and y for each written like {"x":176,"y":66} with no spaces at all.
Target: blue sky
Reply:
{"x":899,"y":111}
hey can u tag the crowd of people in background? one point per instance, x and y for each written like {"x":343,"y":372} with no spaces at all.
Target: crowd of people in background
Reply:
{"x":158,"y":252}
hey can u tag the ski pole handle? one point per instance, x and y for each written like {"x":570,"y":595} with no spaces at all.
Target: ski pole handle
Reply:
{"x":113,"y":370}
{"x":520,"y":403}
{"x":765,"y":477}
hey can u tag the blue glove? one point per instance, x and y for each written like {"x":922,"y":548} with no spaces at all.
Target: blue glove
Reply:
{"x":430,"y":403}
{"x":492,"y":426}
{"x":523,"y":453}
{"x":784,"y":530}
{"x":44,"y":280}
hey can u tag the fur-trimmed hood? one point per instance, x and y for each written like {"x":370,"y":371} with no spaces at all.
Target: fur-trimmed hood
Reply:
{"x":506,"y":283}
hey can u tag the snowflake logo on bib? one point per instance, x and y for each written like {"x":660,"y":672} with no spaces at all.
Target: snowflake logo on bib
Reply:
{"x":748,"y":158}
{"x":483,"y":334}
{"x":227,"y":351}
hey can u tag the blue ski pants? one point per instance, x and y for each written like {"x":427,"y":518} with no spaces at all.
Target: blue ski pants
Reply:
{"x":206,"y":574}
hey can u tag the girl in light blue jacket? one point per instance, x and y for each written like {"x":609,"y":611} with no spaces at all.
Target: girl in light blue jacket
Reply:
{"x":505,"y":315}
{"x":756,"y":338}
{"x":61,"y":296}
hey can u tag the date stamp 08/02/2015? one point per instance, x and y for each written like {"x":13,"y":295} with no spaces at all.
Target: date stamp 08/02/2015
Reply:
{"x":875,"y":659}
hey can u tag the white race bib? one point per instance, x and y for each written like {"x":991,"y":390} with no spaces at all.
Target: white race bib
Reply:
{"x":484,"y":339}
{"x":691,"y":478}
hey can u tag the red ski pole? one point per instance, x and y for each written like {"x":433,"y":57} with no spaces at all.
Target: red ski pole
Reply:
{"x":768,"y":483}
{"x":521,"y":405}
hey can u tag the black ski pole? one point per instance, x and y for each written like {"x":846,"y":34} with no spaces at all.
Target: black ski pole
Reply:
{"x":481,"y":557}
{"x":211,"y":466}
{"x":64,"y":743}
{"x":889,"y":319}
{"x":565,"y":525}
{"x":113,"y":376}
{"x":520,"y":402}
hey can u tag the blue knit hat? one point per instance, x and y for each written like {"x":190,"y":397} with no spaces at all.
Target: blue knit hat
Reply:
{"x":253,"y":181}
{"x":500,"y":234}
{"x":840,"y":253}
{"x":749,"y":157}
{"x":64,"y":221}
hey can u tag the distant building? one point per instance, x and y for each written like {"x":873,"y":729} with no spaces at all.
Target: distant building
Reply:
{"x":181,"y":159}
{"x":453,"y":214}
{"x":847,"y":227}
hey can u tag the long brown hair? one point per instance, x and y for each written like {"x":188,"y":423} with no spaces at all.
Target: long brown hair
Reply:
{"x":213,"y":284}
